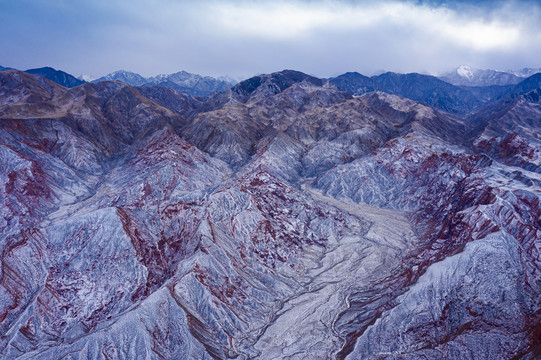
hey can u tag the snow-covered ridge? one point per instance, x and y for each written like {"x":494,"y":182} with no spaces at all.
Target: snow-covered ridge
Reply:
{"x":191,"y":83}
{"x":469,"y":76}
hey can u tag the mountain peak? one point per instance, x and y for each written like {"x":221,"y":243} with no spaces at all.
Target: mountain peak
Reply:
{"x":58,"y":76}
{"x":465,"y":71}
{"x":270,"y":84}
{"x":127,"y":77}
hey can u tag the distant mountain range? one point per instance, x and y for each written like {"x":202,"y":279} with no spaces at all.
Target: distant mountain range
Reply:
{"x":192,"y":84}
{"x":446,"y":94}
{"x":525,"y":72}
{"x":468,"y":76}
{"x":459,"y":92}
{"x":422,"y":88}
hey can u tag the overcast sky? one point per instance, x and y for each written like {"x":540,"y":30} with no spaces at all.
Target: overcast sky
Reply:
{"x":244,"y":38}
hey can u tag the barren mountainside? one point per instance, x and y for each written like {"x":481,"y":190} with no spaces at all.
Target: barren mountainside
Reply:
{"x":288,"y":217}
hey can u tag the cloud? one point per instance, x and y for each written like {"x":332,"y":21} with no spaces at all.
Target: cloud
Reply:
{"x":282,"y":21}
{"x":242,"y":38}
{"x":286,"y":21}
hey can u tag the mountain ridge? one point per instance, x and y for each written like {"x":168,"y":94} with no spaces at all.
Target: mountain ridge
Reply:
{"x":465,"y":99}
{"x":467,"y":76}
{"x":192,"y":84}
{"x":425,"y":88}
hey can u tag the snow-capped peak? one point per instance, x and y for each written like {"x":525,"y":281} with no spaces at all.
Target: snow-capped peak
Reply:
{"x":230,"y":79}
{"x":465,"y":71}
{"x":85,"y":77}
{"x":125,"y":74}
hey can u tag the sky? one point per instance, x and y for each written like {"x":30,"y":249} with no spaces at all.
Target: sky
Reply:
{"x":244,"y":38}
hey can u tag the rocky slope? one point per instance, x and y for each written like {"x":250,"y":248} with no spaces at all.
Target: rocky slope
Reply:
{"x":280,"y":219}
